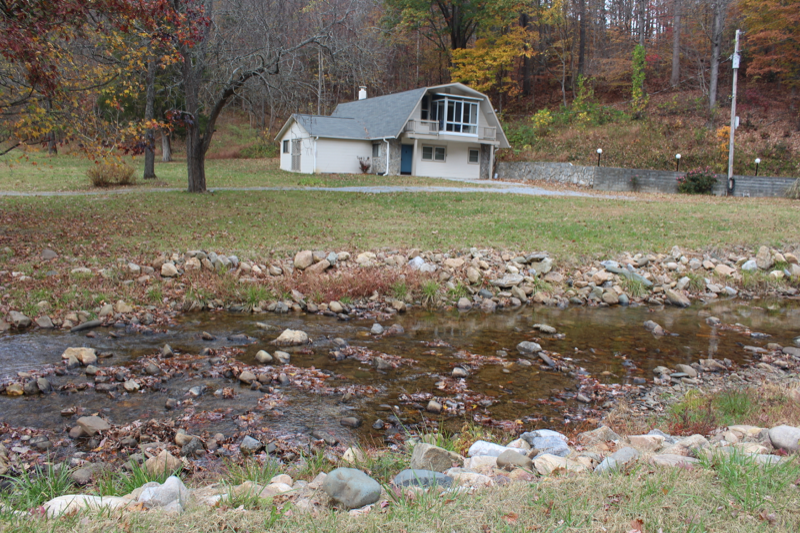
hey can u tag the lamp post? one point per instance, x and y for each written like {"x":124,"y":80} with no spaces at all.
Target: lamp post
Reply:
{"x":599,"y":153}
{"x":758,"y":161}
{"x":677,"y":162}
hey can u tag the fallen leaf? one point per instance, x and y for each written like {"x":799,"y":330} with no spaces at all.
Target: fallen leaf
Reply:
{"x":511,"y":518}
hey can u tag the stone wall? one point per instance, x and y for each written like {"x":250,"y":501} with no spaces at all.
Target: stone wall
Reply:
{"x":620,"y":179}
{"x":552,"y":172}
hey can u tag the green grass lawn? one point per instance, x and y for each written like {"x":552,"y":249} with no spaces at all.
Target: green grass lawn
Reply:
{"x":258,"y":222}
{"x":38,"y":172}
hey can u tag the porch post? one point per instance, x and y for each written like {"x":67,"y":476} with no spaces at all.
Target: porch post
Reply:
{"x":414,"y":159}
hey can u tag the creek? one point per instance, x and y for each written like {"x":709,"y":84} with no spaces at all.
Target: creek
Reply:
{"x":608,"y":344}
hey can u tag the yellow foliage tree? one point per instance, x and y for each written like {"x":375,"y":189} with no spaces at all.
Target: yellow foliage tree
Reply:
{"x":487,"y":66}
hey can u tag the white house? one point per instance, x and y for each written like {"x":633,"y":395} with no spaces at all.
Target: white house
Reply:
{"x":447,"y":131}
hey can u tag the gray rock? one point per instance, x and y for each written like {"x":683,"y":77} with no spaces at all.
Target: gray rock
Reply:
{"x":377,"y":329}
{"x":381,"y":364}
{"x":263,"y":357}
{"x":351,"y":488}
{"x":464,"y":304}
{"x":48,"y":254}
{"x":19,"y":320}
{"x":89,"y":324}
{"x":764,"y":259}
{"x":542,"y":267}
{"x":92,"y":425}
{"x":785,"y":438}
{"x":350,"y":422}
{"x":677,"y":299}
{"x":528,"y":347}
{"x":549,"y":445}
{"x":44,"y":322}
{"x":250,"y":446}
{"x":459,"y":372}
{"x":421,"y":478}
{"x":481,"y":447}
{"x":282,"y":357}
{"x":686,"y":369}
{"x":790,"y":350}
{"x":750,"y":266}
{"x":619,"y":458}
{"x":172,"y":495}
{"x":508,"y":281}
{"x":509,"y":460}
{"x":192,"y":447}
{"x":430,"y":457}
{"x":654,"y":328}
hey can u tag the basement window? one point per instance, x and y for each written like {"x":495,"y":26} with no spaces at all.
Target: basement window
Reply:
{"x":434,"y":153}
{"x":474,"y":155}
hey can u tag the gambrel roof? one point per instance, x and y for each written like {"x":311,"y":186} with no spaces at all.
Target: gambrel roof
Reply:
{"x":379,"y":117}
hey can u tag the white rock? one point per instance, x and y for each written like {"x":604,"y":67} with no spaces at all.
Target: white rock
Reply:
{"x":71,"y":504}
{"x":482,"y":447}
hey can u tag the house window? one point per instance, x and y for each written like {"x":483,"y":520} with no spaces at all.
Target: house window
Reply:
{"x":285,"y":147}
{"x":455,"y":115}
{"x":376,"y":149}
{"x":434,"y":153}
{"x":424,"y":111}
{"x":474,"y":155}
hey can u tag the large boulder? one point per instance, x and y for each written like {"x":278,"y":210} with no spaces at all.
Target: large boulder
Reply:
{"x":291,"y":337}
{"x":785,"y":438}
{"x":172,"y":495}
{"x":430,"y":457}
{"x":351,"y":488}
{"x":764,"y":259}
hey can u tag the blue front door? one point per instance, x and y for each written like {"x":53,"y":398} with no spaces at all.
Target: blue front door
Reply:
{"x":406,"y":156}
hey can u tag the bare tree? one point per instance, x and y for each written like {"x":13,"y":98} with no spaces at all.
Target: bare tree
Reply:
{"x":245,"y":40}
{"x":719,"y":9}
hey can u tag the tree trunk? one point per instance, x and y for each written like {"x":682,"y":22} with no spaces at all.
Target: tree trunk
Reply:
{"x":527,"y":62}
{"x":195,"y":152}
{"x":166,"y":146}
{"x":675,"y":79}
{"x":716,"y":43}
{"x":640,"y":21}
{"x":582,"y":36}
{"x":149,"y":115}
{"x":196,"y":161}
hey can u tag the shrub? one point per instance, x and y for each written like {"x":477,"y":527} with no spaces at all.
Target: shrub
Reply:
{"x":697,"y":181}
{"x":364,"y":163}
{"x":111,"y":174}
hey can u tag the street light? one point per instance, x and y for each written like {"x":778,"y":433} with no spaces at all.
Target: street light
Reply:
{"x":599,"y":153}
{"x":677,"y":162}
{"x":758,"y":161}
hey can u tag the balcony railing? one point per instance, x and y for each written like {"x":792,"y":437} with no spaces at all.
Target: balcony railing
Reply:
{"x":426,"y":127}
{"x":431,"y":127}
{"x":487,"y":134}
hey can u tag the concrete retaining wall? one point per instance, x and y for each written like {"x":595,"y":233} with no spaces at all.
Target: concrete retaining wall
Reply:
{"x":620,"y":179}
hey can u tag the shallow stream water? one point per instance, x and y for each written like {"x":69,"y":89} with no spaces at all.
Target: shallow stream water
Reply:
{"x":610,"y":344}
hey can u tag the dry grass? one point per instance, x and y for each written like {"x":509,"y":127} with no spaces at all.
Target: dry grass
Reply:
{"x":640,"y":499}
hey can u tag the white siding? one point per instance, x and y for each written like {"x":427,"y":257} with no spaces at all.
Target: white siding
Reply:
{"x":306,"y":149}
{"x":341,"y":156}
{"x":456,"y":164}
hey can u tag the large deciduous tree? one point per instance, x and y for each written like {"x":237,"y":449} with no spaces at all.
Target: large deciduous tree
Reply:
{"x":247,"y":40}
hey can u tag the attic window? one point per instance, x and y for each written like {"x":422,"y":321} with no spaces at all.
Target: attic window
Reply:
{"x":425,"y":108}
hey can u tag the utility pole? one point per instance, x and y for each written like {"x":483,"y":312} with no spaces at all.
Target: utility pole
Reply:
{"x":735,"y":61}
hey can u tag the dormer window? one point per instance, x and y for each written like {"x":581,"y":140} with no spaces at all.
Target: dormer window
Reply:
{"x":455,"y":114}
